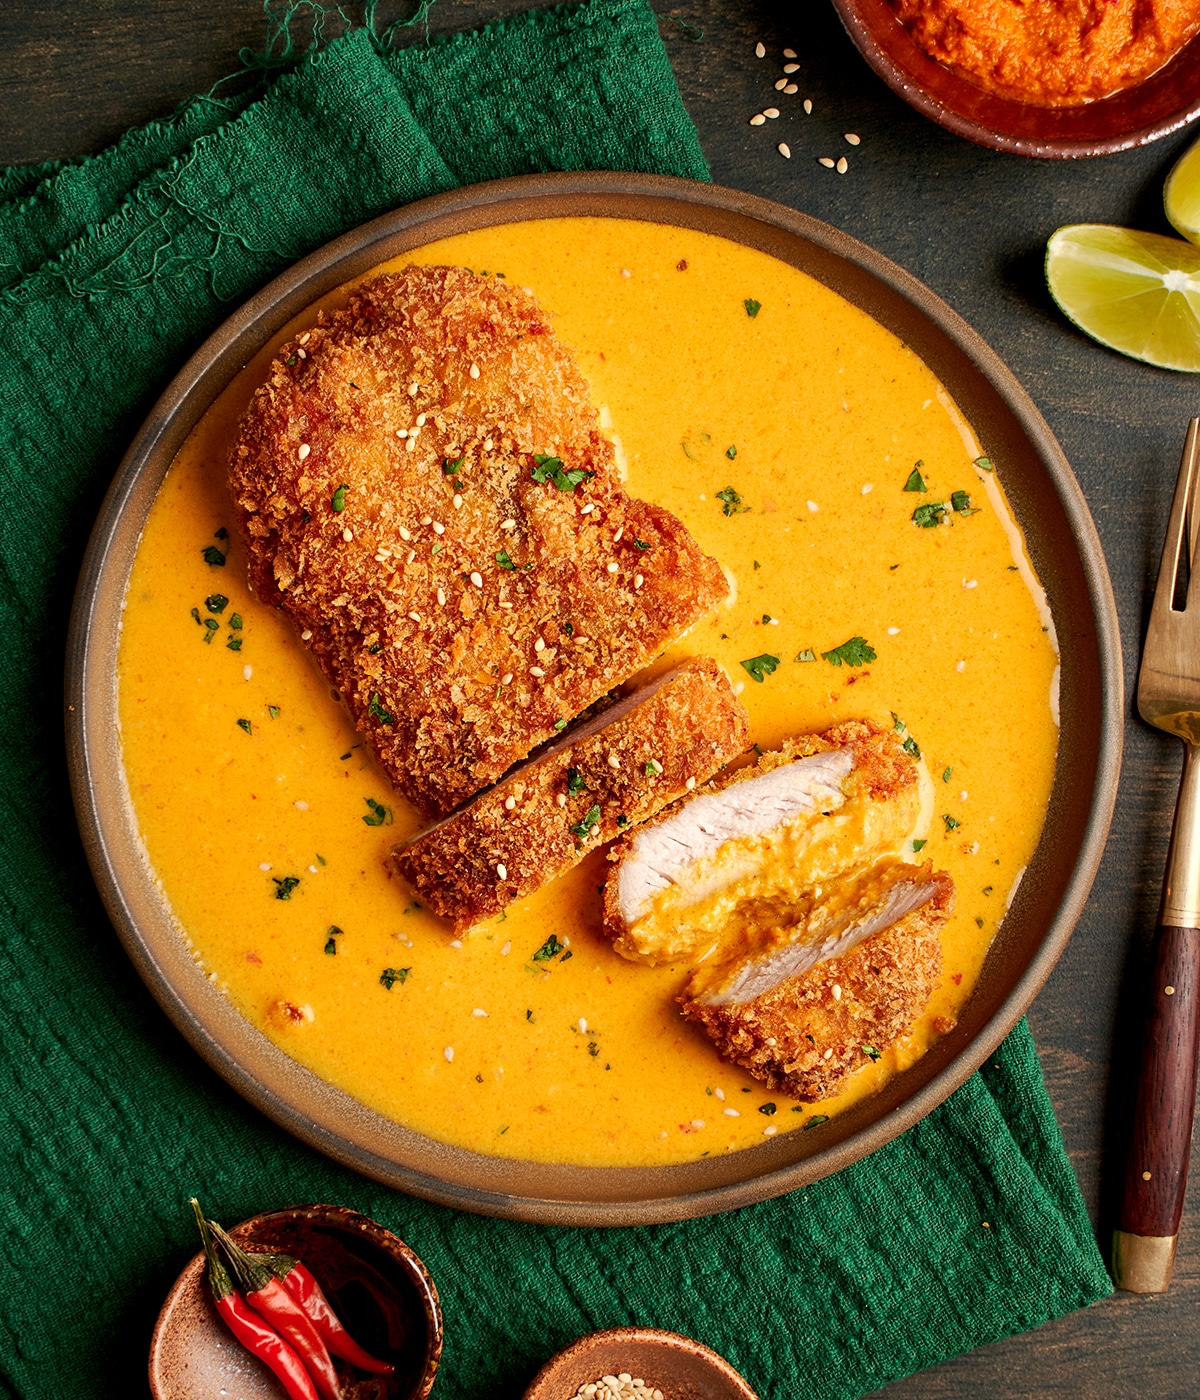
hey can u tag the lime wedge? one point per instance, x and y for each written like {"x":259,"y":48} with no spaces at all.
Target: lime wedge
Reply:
{"x":1181,"y":193}
{"x":1138,"y":293}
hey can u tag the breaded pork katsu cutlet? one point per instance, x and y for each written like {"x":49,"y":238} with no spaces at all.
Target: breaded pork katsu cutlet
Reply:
{"x":584,"y":789}
{"x":786,"y":887}
{"x":424,"y":489}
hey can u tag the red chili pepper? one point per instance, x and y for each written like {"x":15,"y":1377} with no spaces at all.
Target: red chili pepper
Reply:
{"x":307,"y":1292}
{"x":268,"y":1296}
{"x":249,"y":1328}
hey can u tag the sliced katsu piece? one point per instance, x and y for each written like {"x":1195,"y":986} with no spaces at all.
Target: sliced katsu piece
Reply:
{"x":750,"y":856}
{"x":424,"y":489}
{"x":609,"y":774}
{"x":802,"y":1021}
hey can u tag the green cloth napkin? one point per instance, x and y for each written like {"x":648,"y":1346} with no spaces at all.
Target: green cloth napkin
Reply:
{"x":112,"y":270}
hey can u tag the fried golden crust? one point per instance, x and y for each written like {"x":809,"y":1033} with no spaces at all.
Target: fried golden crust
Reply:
{"x":880,"y":766}
{"x":688,"y":727}
{"x":802,"y":1040}
{"x":417,"y":626}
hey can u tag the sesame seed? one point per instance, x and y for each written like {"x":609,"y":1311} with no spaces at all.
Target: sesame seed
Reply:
{"x":617,"y":536}
{"x":638,"y":580}
{"x":790,"y":89}
{"x":812,"y":505}
{"x":771,"y":1040}
{"x":737,"y":689}
{"x":305,"y":635}
{"x":539,"y":645}
{"x":842,"y":166}
{"x":415,"y":616}
{"x":893,"y":631}
{"x":1169,"y":991}
{"x":785,"y":150}
{"x":405,"y":534}
{"x":302,"y":354}
{"x":312,"y":870}
{"x":780,"y":85}
{"x":791,"y":67}
{"x":690,"y":784}
{"x":769,"y":1130}
{"x":303,"y":451}
{"x":506,"y":678}
{"x":837,"y":992}
{"x":587,"y":510}
{"x":301,"y":806}
{"x":427,"y":520}
{"x":789,"y":53}
{"x":509,"y":803}
{"x":625,"y":272}
{"x":477,"y":580}
{"x":348,"y":534}
{"x":479,"y":1011}
{"x":413,"y":390}
{"x":509,"y":524}
{"x":867,"y":488}
{"x":613,"y":761}
{"x":488,"y":444}
{"x":401,"y":432}
{"x":382,"y":558}
{"x":448,"y":1052}
{"x":962,"y":796}
{"x":808,"y":106}
{"x":420,"y":420}
{"x":731,"y":1113}
{"x":536,"y":671}
{"x":474,"y":371}
{"x":612,"y":566}
{"x":828,"y":1055}
{"x":438,"y":528}
{"x":757,"y":119}
{"x":771,"y":112}
{"x":411,"y":444}
{"x":506,"y":605}
{"x":720,"y":1093}
{"x":656,"y":766}
{"x":502,"y":871}
{"x":441,"y":597}
{"x":264,"y":866}
{"x":760,"y":50}
{"x":582,"y":1025}
{"x":698,"y":1123}
{"x":410,"y":556}
{"x":247,"y":672}
{"x":852,"y":139}
{"x":457,"y":501}
{"x":962,"y":666}
{"x":561,"y":799}
{"x":504,"y":952}
{"x":306,"y":337}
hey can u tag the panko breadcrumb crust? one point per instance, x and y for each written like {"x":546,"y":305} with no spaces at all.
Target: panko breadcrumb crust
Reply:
{"x":679,"y":729}
{"x":881,"y":767}
{"x":383,"y":476}
{"x":802,"y":1040}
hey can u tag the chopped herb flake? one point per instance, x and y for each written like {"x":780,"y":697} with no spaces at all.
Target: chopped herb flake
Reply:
{"x":216,"y":602}
{"x":806,"y":655}
{"x":550,"y":949}
{"x":196,"y":616}
{"x":622,"y":821}
{"x":733,"y":502}
{"x":910,"y":747}
{"x":757,"y":565}
{"x":760,"y":667}
{"x":284,"y":887}
{"x":221,"y":534}
{"x":213,"y":556}
{"x":339,"y":499}
{"x":503,"y":560}
{"x":593,"y":1048}
{"x":273,"y":711}
{"x":929,"y":515}
{"x":246,"y":725}
{"x":871,"y":1052}
{"x":379,"y":815}
{"x":235,"y":621}
{"x":915,"y":482}
{"x":575,"y":782}
{"x":234,"y":643}
{"x":211,"y":623}
{"x":766,"y":619}
{"x":560,"y":724}
{"x":569,"y":627}
{"x":331,"y":944}
{"x":731,"y":452}
{"x":961,"y":502}
{"x":918,"y":845}
{"x":376,"y":709}
{"x":951,"y":822}
{"x":987,"y":889}
{"x":815,"y":1119}
{"x":978,"y":921}
{"x":551,"y":469}
{"x":640,"y":544}
{"x":452,"y":468}
{"x":767,"y":1108}
{"x":582,"y":830}
{"x":391,"y":975}
{"x":897,"y":723}
{"x":946,"y":775}
{"x":985,"y":464}
{"x":437,"y":548}
{"x":856,"y":652}
{"x":752,"y":307}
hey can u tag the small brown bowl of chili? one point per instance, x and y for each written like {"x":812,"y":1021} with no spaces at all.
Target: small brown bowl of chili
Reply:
{"x":377,"y":1286}
{"x":1026,"y":96}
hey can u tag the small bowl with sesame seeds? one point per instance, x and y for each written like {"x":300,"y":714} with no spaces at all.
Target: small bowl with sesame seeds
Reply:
{"x":638,"y":1363}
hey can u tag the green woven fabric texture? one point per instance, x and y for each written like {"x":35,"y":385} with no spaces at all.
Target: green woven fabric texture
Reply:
{"x":111,"y":271}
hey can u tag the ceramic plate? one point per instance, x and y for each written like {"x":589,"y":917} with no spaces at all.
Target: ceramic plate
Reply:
{"x":1064,"y":550}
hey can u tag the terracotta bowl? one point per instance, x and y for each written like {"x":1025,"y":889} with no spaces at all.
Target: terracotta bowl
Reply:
{"x":1162,"y":103}
{"x":377,"y":1285}
{"x":679,"y":1367}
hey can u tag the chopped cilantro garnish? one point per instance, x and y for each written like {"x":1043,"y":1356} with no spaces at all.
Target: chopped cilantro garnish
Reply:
{"x":593,"y":1048}
{"x":575,"y":783}
{"x":331,"y":943}
{"x":235,"y":621}
{"x":640,"y":544}
{"x":653,"y":768}
{"x":752,"y":307}
{"x":987,"y":889}
{"x":946,"y":775}
{"x":766,"y":619}
{"x":757,"y":565}
{"x":551,"y":469}
{"x":379,"y":815}
{"x":452,"y":468}
{"x":978,"y":921}
{"x":291,"y":360}
{"x":915,"y":482}
{"x":566,"y":957}
{"x":391,"y":975}
{"x":569,"y":628}
{"x":212,"y":624}
{"x":591,"y":820}
{"x":731,"y":452}
{"x":985,"y":463}
{"x":196,"y":616}
{"x":767,"y":1108}
{"x":376,"y":709}
{"x":910,"y":747}
{"x":339,"y":499}
{"x":503,"y":560}
{"x":284,"y":887}
{"x":622,"y":821}
{"x":871,"y":1052}
{"x":930,"y":514}
{"x":815,"y":1119}
{"x":234,"y":643}
{"x":221,"y":534}
{"x":437,"y":548}
{"x":897,"y":723}
{"x":856,"y":652}
{"x":961,"y":502}
{"x":550,"y":949}
{"x":273,"y":711}
{"x":733,"y":502}
{"x":246,"y":725}
{"x":560,"y":724}
{"x":216,"y":602}
{"x":760,"y":667}
{"x":951,"y":822}
{"x":806,"y":655}
{"x":918,"y":845}
{"x":213,"y":556}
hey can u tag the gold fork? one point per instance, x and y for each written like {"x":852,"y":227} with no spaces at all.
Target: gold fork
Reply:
{"x":1165,"y":1103}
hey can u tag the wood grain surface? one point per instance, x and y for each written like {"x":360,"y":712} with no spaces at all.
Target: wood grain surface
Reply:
{"x":973,"y":225}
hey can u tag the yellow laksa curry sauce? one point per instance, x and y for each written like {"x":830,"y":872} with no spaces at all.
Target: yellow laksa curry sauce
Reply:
{"x":249,"y":783}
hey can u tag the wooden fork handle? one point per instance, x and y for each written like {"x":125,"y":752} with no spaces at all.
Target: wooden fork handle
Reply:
{"x":1164,"y":1107}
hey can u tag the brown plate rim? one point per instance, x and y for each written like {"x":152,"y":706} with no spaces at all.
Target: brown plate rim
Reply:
{"x":907,"y":85}
{"x":329,"y":1119}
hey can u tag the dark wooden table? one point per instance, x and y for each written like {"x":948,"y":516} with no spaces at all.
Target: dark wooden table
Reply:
{"x":973,"y":225}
